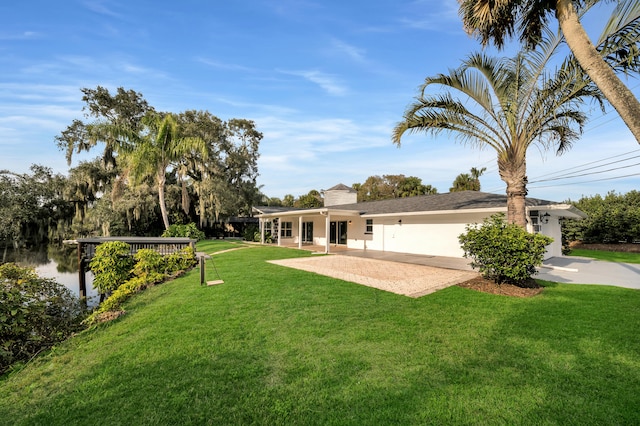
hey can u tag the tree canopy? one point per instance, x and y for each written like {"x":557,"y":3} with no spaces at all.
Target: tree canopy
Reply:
{"x":177,"y":167}
{"x":506,"y":104}
{"x":616,"y":50}
{"x":391,"y":186}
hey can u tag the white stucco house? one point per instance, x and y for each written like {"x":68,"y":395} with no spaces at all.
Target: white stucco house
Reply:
{"x":428,"y":225}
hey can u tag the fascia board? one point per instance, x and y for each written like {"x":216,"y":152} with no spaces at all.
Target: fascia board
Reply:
{"x":311,"y":212}
{"x":438,"y":212}
{"x":568,"y":210}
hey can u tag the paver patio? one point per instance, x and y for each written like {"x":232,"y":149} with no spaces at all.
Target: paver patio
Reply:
{"x":400,"y":278}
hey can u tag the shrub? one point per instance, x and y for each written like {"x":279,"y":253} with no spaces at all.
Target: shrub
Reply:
{"x":182,"y":260}
{"x":150,"y":265}
{"x":111,"y":266}
{"x":35,"y":314}
{"x":503,"y":252}
{"x":189,"y":230}
{"x":117,"y":298}
{"x":150,"y":268}
{"x":250,"y":232}
{"x":267,"y":237}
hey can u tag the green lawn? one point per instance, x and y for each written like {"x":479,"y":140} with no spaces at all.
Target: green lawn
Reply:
{"x":610,"y":256}
{"x":279,"y":346}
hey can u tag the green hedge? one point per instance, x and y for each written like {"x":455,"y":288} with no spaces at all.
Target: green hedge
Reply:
{"x":504,"y":252}
{"x":149,"y":268}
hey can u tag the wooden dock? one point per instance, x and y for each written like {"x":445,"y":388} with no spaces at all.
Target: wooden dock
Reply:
{"x":87,"y":249}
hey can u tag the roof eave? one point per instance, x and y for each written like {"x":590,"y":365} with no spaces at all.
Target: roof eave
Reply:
{"x":569,"y":211}
{"x":311,"y":212}
{"x":438,"y":212}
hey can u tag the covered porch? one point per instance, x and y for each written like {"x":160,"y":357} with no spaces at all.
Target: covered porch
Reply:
{"x":322,"y":230}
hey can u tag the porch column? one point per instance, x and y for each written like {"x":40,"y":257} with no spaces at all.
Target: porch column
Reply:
{"x":300,"y":232}
{"x":261,"y":231}
{"x":279,"y":229}
{"x":327,"y":233}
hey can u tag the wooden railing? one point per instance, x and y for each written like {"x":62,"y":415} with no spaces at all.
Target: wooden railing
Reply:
{"x":163,"y":245}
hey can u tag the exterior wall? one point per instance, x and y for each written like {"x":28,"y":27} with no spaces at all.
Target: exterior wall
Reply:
{"x":552,"y":229}
{"x":339,"y":197}
{"x":435,"y":235}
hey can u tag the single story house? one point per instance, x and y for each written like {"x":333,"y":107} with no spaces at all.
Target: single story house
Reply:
{"x":428,"y":225}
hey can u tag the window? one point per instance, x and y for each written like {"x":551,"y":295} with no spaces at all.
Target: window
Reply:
{"x":535,"y":221}
{"x":286,"y":229}
{"x":369,"y":229}
{"x":536,"y":225}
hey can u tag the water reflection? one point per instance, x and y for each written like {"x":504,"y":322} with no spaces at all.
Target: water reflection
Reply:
{"x":57,"y":262}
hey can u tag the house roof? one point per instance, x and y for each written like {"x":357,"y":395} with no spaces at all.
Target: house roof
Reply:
{"x":463,"y":200}
{"x":450,"y":202}
{"x":271,"y":209}
{"x":341,"y":187}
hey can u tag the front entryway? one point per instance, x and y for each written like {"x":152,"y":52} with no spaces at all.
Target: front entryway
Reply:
{"x":338,"y":232}
{"x":307,"y":232}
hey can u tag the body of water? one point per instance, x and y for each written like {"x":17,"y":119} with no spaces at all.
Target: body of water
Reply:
{"x":57,"y":262}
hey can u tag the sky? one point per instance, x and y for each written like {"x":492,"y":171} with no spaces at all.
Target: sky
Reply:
{"x":325,"y":81}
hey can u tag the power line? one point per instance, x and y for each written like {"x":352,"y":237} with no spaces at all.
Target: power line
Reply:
{"x":586,"y":181}
{"x":496,"y":190}
{"x":590,"y":163}
{"x":571,"y":175}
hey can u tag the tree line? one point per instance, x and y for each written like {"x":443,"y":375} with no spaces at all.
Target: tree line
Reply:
{"x":613,"y":218}
{"x":383,"y":188}
{"x":156,"y":168}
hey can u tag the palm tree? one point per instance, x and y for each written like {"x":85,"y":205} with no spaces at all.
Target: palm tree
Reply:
{"x":506,"y":104}
{"x":495,"y":20}
{"x":468,"y":181}
{"x":462,"y":182}
{"x":475,"y":177}
{"x":151,"y":153}
{"x":412,"y":186}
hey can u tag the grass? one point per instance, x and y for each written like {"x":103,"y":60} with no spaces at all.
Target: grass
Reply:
{"x":609,"y":256}
{"x":279,"y":346}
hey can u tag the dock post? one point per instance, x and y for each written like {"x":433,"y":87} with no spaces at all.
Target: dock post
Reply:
{"x":81,"y":275}
{"x":201,"y":270}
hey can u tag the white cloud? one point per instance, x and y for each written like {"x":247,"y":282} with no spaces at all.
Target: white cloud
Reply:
{"x":224,"y":66}
{"x":99,"y":7}
{"x":25,"y":35}
{"x":352,"y":52}
{"x":327,"y":82}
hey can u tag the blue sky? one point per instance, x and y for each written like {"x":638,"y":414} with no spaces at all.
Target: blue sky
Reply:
{"x":324,"y":81}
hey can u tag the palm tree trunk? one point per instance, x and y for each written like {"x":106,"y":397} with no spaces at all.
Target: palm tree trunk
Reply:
{"x":514,"y":175}
{"x":618,"y":95}
{"x":163,"y":206}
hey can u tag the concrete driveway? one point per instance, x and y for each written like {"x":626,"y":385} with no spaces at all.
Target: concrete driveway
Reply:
{"x":580,"y":270}
{"x":570,"y":269}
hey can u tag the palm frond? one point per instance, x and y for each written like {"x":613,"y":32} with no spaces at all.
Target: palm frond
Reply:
{"x":619,"y":42}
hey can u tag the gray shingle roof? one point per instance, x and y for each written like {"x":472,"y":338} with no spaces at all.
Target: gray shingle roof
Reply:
{"x":341,"y":187}
{"x":271,"y":209}
{"x":439,"y":202}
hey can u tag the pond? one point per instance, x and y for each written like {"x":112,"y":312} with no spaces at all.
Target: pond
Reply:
{"x":52,"y":261}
